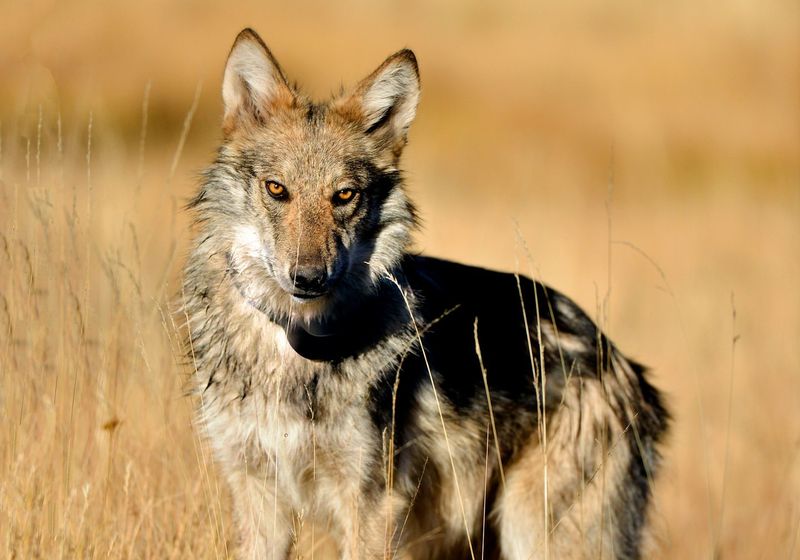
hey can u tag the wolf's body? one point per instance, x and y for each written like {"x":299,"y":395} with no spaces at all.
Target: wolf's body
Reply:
{"x":412,"y":405}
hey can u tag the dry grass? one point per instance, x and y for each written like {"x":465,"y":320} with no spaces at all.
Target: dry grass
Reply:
{"x":530,"y":114}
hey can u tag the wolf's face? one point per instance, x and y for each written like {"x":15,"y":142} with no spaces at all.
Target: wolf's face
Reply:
{"x":307,"y":196}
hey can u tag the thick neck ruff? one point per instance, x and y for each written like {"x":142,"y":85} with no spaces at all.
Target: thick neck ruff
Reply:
{"x":348,"y":330}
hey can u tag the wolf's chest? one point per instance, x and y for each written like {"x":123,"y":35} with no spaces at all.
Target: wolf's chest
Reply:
{"x":305,"y":430}
{"x":279,"y":416}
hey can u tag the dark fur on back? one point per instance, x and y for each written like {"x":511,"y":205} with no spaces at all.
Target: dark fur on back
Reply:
{"x":410,"y":404}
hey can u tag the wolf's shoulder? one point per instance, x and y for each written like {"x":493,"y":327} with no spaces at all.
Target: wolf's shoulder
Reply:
{"x":484,"y":290}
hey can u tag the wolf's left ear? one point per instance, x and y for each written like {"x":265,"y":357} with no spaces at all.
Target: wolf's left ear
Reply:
{"x":253,"y":85}
{"x":386,"y":101}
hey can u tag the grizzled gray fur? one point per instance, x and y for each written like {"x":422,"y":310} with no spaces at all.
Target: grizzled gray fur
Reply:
{"x":411,"y":407}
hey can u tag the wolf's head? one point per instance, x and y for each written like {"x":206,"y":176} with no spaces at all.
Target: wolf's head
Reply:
{"x":306,"y":198}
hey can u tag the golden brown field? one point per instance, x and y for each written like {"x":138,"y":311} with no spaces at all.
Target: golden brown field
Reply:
{"x":644,"y":158}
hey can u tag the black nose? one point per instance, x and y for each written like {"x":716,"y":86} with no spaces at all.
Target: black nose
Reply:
{"x":309,"y":280}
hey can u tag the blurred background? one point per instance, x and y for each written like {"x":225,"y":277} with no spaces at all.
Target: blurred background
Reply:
{"x":643,"y":158}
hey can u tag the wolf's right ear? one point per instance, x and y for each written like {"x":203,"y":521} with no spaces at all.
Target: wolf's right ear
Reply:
{"x":253,"y":85}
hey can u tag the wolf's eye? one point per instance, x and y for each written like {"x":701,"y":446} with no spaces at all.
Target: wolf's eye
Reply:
{"x":344,"y":196}
{"x":275,"y":190}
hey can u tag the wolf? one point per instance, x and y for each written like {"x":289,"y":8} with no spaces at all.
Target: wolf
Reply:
{"x":411,"y":406}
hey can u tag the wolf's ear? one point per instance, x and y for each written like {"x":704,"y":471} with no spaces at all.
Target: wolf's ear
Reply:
{"x":385,"y":102}
{"x":253,"y":84}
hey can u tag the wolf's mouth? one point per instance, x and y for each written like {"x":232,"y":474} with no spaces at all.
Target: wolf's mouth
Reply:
{"x":307,"y":296}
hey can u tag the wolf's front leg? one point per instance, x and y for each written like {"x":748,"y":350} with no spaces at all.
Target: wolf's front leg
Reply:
{"x":263,"y":520}
{"x":371,"y":528}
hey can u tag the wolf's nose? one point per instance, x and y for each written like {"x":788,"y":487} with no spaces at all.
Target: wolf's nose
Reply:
{"x":309,"y":279}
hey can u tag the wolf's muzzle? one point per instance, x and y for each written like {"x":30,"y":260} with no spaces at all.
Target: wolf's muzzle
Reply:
{"x":309,"y":281}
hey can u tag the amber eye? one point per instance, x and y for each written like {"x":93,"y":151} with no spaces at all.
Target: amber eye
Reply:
{"x":344,"y":196}
{"x":275,"y":190}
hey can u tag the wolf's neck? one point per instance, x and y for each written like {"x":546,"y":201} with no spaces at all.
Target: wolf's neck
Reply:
{"x":352,"y":328}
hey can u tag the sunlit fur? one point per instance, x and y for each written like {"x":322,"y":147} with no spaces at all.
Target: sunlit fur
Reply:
{"x":414,"y":406}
